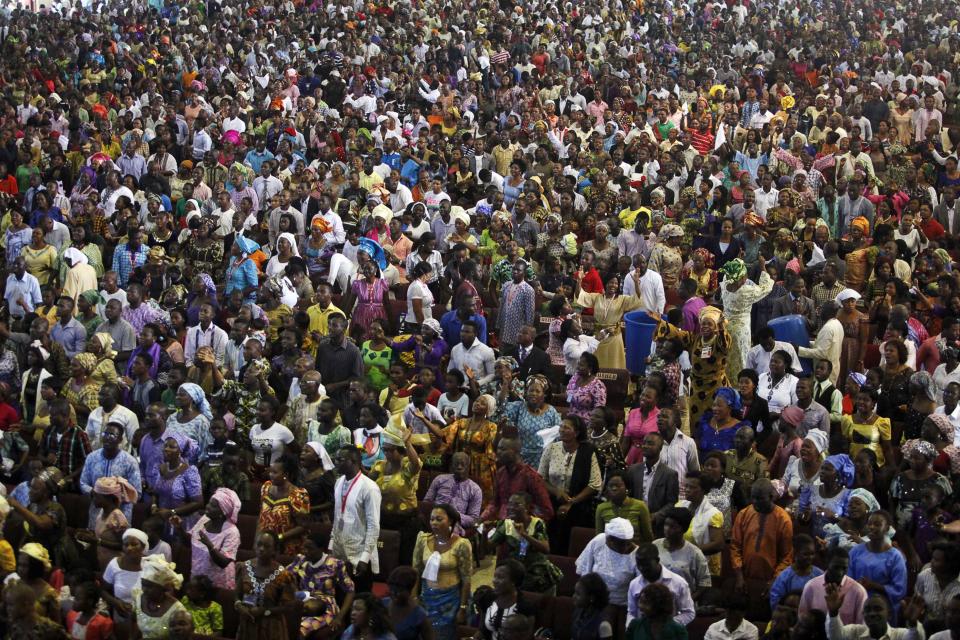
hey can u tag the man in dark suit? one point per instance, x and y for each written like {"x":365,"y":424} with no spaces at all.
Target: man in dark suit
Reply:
{"x":531,"y":358}
{"x":946,"y":212}
{"x":795,"y":303}
{"x":654,"y":482}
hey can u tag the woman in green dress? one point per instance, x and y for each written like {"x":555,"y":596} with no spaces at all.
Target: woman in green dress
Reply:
{"x":377,"y":355}
{"x":708,"y":349}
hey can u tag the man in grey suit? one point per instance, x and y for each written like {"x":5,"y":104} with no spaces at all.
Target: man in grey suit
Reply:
{"x":796,"y":303}
{"x":653,"y":481}
{"x":946,"y":212}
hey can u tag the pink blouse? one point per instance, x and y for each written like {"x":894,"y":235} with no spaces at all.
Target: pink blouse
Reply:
{"x":226,"y":542}
{"x":636,"y":428}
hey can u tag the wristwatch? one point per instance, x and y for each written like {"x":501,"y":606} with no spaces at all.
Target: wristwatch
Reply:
{"x":266,"y":613}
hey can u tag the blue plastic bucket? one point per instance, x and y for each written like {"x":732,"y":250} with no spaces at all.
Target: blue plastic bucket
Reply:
{"x":793,"y":329}
{"x":638,"y":336}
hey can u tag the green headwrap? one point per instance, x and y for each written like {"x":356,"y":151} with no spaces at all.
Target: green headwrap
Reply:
{"x":734,"y":270}
{"x":92,"y":296}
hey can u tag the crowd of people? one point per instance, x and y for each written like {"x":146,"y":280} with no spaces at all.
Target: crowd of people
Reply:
{"x":313,"y":309}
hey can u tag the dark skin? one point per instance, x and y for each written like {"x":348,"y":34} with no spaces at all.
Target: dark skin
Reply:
{"x":264,"y":565}
{"x":348,"y":466}
{"x":281,"y":487}
{"x":155,"y":602}
{"x":171,"y":467}
{"x":129,"y":560}
{"x":214,"y":525}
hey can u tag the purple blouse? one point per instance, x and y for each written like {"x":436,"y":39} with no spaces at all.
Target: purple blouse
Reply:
{"x":583,"y":400}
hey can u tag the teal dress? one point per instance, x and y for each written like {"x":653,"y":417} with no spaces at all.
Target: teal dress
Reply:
{"x":639,"y":629}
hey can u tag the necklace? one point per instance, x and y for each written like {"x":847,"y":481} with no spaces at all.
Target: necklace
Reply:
{"x":257,"y":586}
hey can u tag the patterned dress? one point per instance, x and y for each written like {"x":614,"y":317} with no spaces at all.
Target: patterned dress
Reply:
{"x":584,"y":399}
{"x":479,"y":445}
{"x":528,"y":424}
{"x":370,"y":305}
{"x":736,"y":309}
{"x":321,"y":580}
{"x":278,"y":514}
{"x":275,"y":591}
{"x":709,"y":364}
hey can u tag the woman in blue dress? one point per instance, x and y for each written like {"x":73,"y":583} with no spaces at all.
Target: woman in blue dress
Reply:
{"x":720,"y":424}
{"x":532,"y":415}
{"x":877,"y":565}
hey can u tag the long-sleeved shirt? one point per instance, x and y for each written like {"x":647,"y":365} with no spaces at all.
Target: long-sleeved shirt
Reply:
{"x":356,"y":521}
{"x":682,"y":600}
{"x":213,"y":337}
{"x":789,"y":581}
{"x":465,"y":496}
{"x":97,"y":465}
{"x":517,"y":308}
{"x":524,"y":479}
{"x":836,"y":630}
{"x":73,"y":336}
{"x":854,"y":597}
{"x":71,"y":448}
{"x":762,"y":544}
{"x":651,"y":292}
{"x":827,"y":346}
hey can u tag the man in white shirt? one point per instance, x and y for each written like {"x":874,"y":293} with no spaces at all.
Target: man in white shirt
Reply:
{"x":202,"y":142}
{"x":224,"y":215}
{"x":205,"y":334}
{"x":22,"y":294}
{"x":266,"y":185}
{"x":758,"y":358}
{"x":650,"y":569}
{"x":112,"y":193}
{"x":829,"y":340}
{"x":400,"y":195}
{"x":234,"y":122}
{"x":652,"y":296}
{"x":766,"y":196}
{"x":356,"y":518}
{"x":471,"y":357}
{"x":110,"y":410}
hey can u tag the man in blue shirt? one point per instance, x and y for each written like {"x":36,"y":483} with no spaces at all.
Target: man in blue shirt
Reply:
{"x":452,"y":320}
{"x":68,"y":331}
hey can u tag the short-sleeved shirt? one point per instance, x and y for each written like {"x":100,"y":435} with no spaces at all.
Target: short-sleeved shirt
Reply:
{"x":399,"y":490}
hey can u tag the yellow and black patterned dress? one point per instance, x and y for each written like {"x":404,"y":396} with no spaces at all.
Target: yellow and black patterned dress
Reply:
{"x":708,"y":360}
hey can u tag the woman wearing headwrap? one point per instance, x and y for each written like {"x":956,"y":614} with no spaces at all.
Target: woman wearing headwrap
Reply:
{"x":323,"y":577}
{"x":33,"y":568}
{"x":154,"y":603}
{"x":609,"y":308}
{"x":242,"y":273}
{"x":177,"y":492}
{"x":319,"y":478}
{"x":717,"y":426}
{"x":855,"y":331}
{"x":286,"y":248}
{"x":665,"y":258}
{"x":87,"y":313}
{"x":924,"y":398}
{"x":101,"y":346}
{"x":192,"y":417}
{"x":851,"y":529}
{"x":367,"y":300}
{"x":700,"y":270}
{"x":789,"y":443}
{"x":45,"y":520}
{"x":803,"y":472}
{"x":81,"y":391}
{"x":80,"y":275}
{"x":908,"y":487}
{"x":709,"y":349}
{"x":532,"y":415}
{"x":109,"y":494}
{"x":215,"y":539}
{"x":826,"y":501}
{"x":739,"y":295}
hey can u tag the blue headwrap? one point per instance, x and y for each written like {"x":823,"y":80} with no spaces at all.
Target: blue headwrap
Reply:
{"x":209,"y":285}
{"x":375,"y":251}
{"x":199,"y":398}
{"x":859,"y":378}
{"x":844,"y":467}
{"x":731,"y":397}
{"x":247,"y":246}
{"x":186,"y":444}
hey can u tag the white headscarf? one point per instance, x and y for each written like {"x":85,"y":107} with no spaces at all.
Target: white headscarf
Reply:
{"x":291,"y":239}
{"x":75,"y":256}
{"x":321,"y":451}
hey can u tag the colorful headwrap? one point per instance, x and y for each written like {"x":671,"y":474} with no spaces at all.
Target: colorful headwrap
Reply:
{"x":87,"y":361}
{"x":704,"y":255}
{"x":859,"y":378}
{"x":861,"y":223}
{"x":157,"y":570}
{"x":753,"y":220}
{"x":943,"y":425}
{"x":106,"y":344}
{"x":731,"y":397}
{"x":924,"y":448}
{"x":538,"y":380}
{"x":210,"y":288}
{"x":866,"y":497}
{"x":711,"y":313}
{"x":924,"y":381}
{"x":734,"y":270}
{"x":375,"y":251}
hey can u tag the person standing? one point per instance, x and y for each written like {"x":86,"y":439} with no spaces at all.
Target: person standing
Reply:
{"x":356,"y":519}
{"x":517,"y":306}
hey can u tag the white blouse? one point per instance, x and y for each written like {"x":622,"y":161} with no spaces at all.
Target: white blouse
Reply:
{"x":779,"y":395}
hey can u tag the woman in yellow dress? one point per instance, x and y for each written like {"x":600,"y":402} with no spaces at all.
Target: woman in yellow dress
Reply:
{"x":708,"y":351}
{"x":41,"y":258}
{"x":608,"y":310}
{"x":474,"y":436}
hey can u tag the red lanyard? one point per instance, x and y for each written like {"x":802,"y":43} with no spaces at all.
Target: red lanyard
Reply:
{"x":343,"y":502}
